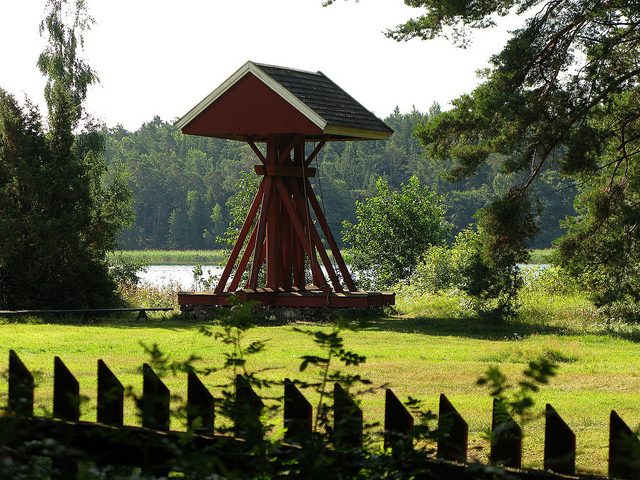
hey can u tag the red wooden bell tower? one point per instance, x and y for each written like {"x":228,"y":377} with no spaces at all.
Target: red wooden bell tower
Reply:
{"x":286,"y":109}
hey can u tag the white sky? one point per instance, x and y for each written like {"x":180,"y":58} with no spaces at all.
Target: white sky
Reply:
{"x":161,"y":57}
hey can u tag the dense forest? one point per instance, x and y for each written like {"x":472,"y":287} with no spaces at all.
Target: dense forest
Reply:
{"x":182,"y":184}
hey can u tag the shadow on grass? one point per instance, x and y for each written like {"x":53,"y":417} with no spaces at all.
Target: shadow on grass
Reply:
{"x":464,"y":326}
{"x":468,"y":327}
{"x":491,"y":329}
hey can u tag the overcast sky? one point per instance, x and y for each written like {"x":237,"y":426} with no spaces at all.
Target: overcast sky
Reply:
{"x":160,"y":57}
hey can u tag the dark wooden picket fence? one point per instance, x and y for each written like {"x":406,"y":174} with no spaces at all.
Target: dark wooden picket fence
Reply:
{"x":155,"y":448}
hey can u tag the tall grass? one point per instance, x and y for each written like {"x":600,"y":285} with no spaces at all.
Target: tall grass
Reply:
{"x":213,"y":257}
{"x":542,"y":256}
{"x":149,"y":295}
{"x":173,"y":257}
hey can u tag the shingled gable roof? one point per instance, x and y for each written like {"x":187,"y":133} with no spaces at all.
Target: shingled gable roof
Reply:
{"x":322,"y":105}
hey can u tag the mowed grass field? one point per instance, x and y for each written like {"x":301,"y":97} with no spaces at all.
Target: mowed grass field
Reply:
{"x":427,"y":349}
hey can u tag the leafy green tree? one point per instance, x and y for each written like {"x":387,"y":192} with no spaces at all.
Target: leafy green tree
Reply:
{"x":562,"y":94}
{"x":57,"y":217}
{"x":393,"y":232}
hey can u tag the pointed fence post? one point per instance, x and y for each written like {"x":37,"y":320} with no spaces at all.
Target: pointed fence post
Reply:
{"x":110,"y":397}
{"x":21,"y":386}
{"x":155,"y":401}
{"x":624,"y":450}
{"x":506,"y":448}
{"x":347,"y":418}
{"x":298,"y":414}
{"x":398,"y":423}
{"x":110,"y":400}
{"x":247,"y":409}
{"x":66,"y":406}
{"x":559,"y":444}
{"x":155,"y":408}
{"x":453,"y":433}
{"x":200,"y":406}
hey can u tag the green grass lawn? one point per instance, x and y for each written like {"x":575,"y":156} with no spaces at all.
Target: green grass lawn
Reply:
{"x":430,"y":348}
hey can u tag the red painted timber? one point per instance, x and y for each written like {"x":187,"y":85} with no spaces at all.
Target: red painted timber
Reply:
{"x":261,"y":233}
{"x":246,"y":226}
{"x":329,"y":237}
{"x":285,"y":170}
{"x":243,"y":263}
{"x":250,"y":107}
{"x":315,"y":238}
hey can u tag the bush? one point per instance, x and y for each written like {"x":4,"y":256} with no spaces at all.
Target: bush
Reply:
{"x":442,"y":268}
{"x":550,"y":280}
{"x":394,"y":230}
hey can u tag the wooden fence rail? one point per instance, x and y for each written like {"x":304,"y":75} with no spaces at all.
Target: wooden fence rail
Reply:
{"x":155,"y":449}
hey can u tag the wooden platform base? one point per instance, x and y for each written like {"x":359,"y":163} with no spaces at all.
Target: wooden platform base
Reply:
{"x":310,"y":297}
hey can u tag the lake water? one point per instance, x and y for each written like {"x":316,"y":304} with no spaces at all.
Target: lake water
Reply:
{"x":163,"y":275}
{"x":182,"y":275}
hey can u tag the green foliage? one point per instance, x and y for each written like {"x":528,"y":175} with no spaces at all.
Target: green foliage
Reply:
{"x":603,"y":244}
{"x":442,"y":268}
{"x":551,"y":280}
{"x":235,"y":322}
{"x":125,"y":271}
{"x":494,"y":275}
{"x":184,"y":186}
{"x":559,"y":100}
{"x":58,"y":219}
{"x":239,"y":205}
{"x":482,"y":264}
{"x":59,"y":61}
{"x":393,"y":232}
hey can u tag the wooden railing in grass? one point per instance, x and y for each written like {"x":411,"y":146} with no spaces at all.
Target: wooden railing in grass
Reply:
{"x":155,"y":448}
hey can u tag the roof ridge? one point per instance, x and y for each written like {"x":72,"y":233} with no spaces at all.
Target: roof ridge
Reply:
{"x":280,"y":67}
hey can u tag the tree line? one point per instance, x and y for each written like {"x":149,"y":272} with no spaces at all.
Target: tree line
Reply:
{"x":184,"y":186}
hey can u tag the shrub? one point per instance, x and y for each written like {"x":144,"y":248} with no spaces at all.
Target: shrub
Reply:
{"x":442,"y":268}
{"x":394,"y":230}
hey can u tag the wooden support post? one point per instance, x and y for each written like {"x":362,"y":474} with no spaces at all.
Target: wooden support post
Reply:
{"x":330,"y":239}
{"x":301,"y":231}
{"x":624,"y":461}
{"x":273,"y":239}
{"x":314,"y":238}
{"x":398,"y":423}
{"x":244,"y":231}
{"x":21,"y":386}
{"x":261,"y":233}
{"x":200,"y":406}
{"x":110,"y":397}
{"x":506,"y":447}
{"x":348,"y":422}
{"x":297,"y":253}
{"x":559,"y":444}
{"x":453,"y":432}
{"x":297,"y":414}
{"x":287,"y":145}
{"x":243,"y":262}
